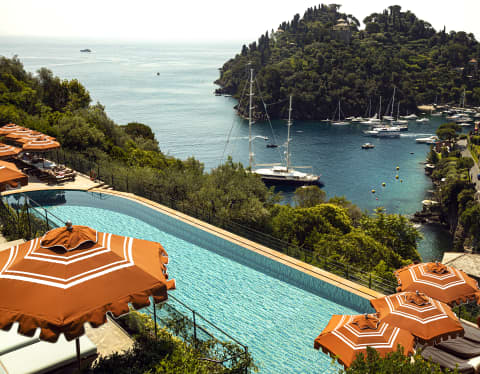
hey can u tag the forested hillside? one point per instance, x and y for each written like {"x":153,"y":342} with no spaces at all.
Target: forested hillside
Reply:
{"x":324,"y":57}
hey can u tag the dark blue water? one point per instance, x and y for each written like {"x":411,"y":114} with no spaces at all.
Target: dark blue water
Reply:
{"x":189,"y":120}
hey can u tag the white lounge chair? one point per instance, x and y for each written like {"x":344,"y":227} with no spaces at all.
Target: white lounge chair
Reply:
{"x":43,"y":357}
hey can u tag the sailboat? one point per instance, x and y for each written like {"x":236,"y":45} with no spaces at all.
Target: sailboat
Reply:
{"x":278,"y":173}
{"x":339,"y":122}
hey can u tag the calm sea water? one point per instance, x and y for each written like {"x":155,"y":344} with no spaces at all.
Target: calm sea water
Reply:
{"x":170,"y":88}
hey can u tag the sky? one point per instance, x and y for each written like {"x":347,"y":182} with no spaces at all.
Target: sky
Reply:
{"x":208,"y":20}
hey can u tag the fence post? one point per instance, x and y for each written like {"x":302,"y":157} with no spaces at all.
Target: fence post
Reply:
{"x":28,"y":220}
{"x":370,"y":280}
{"x":46,"y":219}
{"x":194,"y":330}
{"x":126,"y":181}
{"x":155,"y":318}
{"x":346,"y":272}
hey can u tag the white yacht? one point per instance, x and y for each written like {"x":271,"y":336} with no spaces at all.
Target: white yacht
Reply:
{"x":384,"y":132}
{"x":410,"y":116}
{"x":278,"y":173}
{"x":422,"y":120}
{"x":430,"y":140}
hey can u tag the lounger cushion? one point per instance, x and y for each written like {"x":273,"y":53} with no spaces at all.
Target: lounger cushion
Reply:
{"x":11,"y":340}
{"x":471,"y":333}
{"x":446,"y":360}
{"x":42,"y":357}
{"x":460,"y":347}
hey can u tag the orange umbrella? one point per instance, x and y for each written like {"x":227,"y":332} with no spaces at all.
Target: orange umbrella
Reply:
{"x":444,"y":283}
{"x":8,"y":151}
{"x":31,"y":137}
{"x":11,"y":127}
{"x":347,"y":336}
{"x":41,"y":145}
{"x":428,"y":319}
{"x":13,"y":135}
{"x":73,"y":275}
{"x":10,"y":175}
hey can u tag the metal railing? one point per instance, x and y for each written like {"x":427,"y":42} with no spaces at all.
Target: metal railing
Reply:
{"x":193,"y":328}
{"x":28,"y":217}
{"x":155,"y":193}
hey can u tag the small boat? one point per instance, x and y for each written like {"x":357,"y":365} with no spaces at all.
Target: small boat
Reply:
{"x":423,"y":120}
{"x":410,"y":116}
{"x":86,"y":50}
{"x":430,"y":140}
{"x":465,"y":124}
{"x":271,"y":145}
{"x":368,"y":146}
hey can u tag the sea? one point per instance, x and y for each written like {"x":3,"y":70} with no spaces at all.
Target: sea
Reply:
{"x":170,"y":87}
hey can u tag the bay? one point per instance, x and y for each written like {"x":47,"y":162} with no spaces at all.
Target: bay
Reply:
{"x":170,"y":88}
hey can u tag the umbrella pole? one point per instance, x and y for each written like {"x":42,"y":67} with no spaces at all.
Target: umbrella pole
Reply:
{"x":77,"y":344}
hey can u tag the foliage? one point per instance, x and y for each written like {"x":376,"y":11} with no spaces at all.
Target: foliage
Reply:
{"x":448,"y":131}
{"x":395,"y":232}
{"x":319,"y":66}
{"x":308,"y":196}
{"x":20,"y":224}
{"x":456,"y":193}
{"x":394,"y":363}
{"x":167,"y":354}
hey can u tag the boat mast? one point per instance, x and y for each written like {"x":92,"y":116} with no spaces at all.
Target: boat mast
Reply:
{"x":289,"y":124}
{"x":393,"y":101}
{"x":380,"y":109}
{"x":250,"y":122}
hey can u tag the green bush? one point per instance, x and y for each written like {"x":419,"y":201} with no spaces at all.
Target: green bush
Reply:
{"x":394,"y":363}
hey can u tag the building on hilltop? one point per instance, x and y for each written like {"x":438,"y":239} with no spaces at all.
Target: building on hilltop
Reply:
{"x":473,"y":63}
{"x":342,"y":31}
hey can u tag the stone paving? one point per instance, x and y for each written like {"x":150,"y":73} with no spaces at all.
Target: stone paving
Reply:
{"x":81,"y":182}
{"x":109,"y":338}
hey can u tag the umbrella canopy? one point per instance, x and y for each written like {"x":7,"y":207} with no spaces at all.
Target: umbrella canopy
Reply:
{"x":73,"y":275}
{"x":41,"y":145}
{"x":10,"y":175}
{"x":347,"y":336}
{"x":7,"y":151}
{"x":11,"y":127}
{"x":31,"y":137}
{"x":14,"y":135}
{"x":444,"y":283}
{"x":428,"y":319}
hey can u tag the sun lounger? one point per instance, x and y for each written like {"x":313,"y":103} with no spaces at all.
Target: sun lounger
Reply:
{"x":44,"y":357}
{"x":460,"y":347}
{"x":11,"y":340}
{"x":446,"y":360}
{"x":471,"y":333}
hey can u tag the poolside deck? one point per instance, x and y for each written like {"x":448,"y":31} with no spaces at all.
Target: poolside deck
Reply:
{"x":81,"y":182}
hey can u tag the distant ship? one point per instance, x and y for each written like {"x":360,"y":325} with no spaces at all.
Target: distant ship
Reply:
{"x":86,"y":50}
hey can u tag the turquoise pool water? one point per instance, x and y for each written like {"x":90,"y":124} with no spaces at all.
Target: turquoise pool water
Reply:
{"x":265,"y":310}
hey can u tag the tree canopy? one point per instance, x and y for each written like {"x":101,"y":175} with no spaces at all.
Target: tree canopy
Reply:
{"x":319,"y":64}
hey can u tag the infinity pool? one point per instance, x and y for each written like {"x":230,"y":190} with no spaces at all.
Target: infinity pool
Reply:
{"x":275,"y":310}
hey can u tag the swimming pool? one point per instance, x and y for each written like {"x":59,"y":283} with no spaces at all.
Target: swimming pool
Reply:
{"x":276,"y":310}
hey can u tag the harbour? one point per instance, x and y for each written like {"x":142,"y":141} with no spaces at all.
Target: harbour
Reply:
{"x":189,"y":120}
